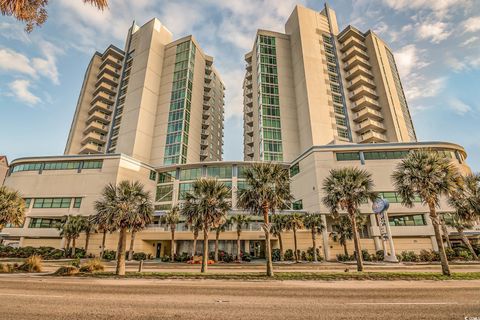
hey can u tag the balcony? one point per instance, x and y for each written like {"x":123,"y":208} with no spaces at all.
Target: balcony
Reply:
{"x":208,"y":78}
{"x":357,"y":61}
{"x":100,"y":106}
{"x":249,"y":131}
{"x":107,"y":78}
{"x":91,"y":148}
{"x":372,"y":136}
{"x":206,"y":114}
{"x":205,"y":133}
{"x":360,"y":80}
{"x":112,"y":61}
{"x":248,"y":120}
{"x":101,"y":117}
{"x":249,"y":151}
{"x":248,"y":102}
{"x":370,"y":124}
{"x":362,"y":91}
{"x":95,"y":126}
{"x":350,"y":42}
{"x":248,"y":140}
{"x":94,"y":136}
{"x":248,"y":92}
{"x":358,"y":71}
{"x":205,"y":124}
{"x":365,"y":102}
{"x":354,"y":52}
{"x":104,"y":97}
{"x":203,"y":143}
{"x":204,"y":153}
{"x":367,"y":113}
{"x":207,"y":105}
{"x":207,"y":87}
{"x":207,"y":96}
{"x":110,"y":70}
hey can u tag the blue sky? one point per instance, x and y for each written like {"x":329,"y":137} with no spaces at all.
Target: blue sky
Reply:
{"x":436,"y":45}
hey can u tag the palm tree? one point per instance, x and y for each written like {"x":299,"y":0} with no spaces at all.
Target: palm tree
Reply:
{"x":34,"y":13}
{"x":120,"y":208}
{"x":466,"y":203}
{"x":100,"y":225}
{"x":88,"y":227}
{"x":62,"y":226}
{"x":207,"y":203}
{"x":343,"y":232}
{"x":443,"y":225}
{"x":346,"y":189}
{"x":219,"y":229}
{"x":278,"y":226}
{"x":454,"y":220}
{"x":268,"y":190}
{"x":295,"y":222}
{"x":172,"y":218}
{"x":140,"y":219}
{"x":71,"y":227}
{"x":313,"y":221}
{"x":428,"y":175}
{"x":239,"y":221}
{"x":12,"y":207}
{"x":196,"y":226}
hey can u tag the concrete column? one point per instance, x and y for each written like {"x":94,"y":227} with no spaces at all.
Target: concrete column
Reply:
{"x":376,"y":239}
{"x":434,"y":243}
{"x":432,"y":237}
{"x":326,"y":248}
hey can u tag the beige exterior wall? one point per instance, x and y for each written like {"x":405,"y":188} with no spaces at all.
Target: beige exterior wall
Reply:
{"x":3,"y":169}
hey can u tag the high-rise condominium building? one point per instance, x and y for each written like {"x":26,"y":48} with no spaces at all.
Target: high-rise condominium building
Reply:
{"x":314,"y":85}
{"x":158,"y":100}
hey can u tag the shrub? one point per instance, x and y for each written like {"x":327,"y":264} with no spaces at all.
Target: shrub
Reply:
{"x":182,"y":257}
{"x":366,"y":256}
{"x":109,"y":254}
{"x":275,"y":255}
{"x":449,"y":252}
{"x":309,"y":255}
{"x":32,"y":264}
{"x":165,"y":259}
{"x":139,"y":256}
{"x":345,"y":257}
{"x":409,"y":256}
{"x":463,"y":253}
{"x":288,"y":256}
{"x":225,"y":256}
{"x":427,"y":255}
{"x":379,"y":255}
{"x":246,"y":257}
{"x":66,"y":271}
{"x":92,"y":266}
{"x":76,"y":263}
{"x":6,"y":268}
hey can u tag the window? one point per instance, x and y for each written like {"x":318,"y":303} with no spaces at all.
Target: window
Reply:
{"x":343,"y":133}
{"x":406,"y":221}
{"x":166,"y":206}
{"x":348,"y":156}
{"x":394,"y":197}
{"x":383,"y":155}
{"x":184,"y":189}
{"x":27,"y":167}
{"x":220,"y":172}
{"x":153,"y":175}
{"x":242,"y":185}
{"x":190,"y":174}
{"x":340,"y":121}
{"x":164,"y":192}
{"x":297,"y":205}
{"x":294,"y":170}
{"x":168,"y":176}
{"x":44,"y":222}
{"x":77,"y":202}
{"x":62,"y":165}
{"x":27,"y":202}
{"x":52,"y":203}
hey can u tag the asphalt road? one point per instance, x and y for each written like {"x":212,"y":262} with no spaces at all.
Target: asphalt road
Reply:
{"x":81,"y":298}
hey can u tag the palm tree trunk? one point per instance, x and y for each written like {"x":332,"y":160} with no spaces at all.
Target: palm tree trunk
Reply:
{"x":194,"y":245}
{"x":87,"y":240}
{"x":344,"y":244}
{"x":132,"y":242}
{"x":172,"y":244}
{"x":436,"y":228}
{"x":73,"y":247}
{"x":268,"y":247}
{"x":122,"y":245}
{"x":314,"y":240}
{"x":217,"y":235}
{"x":67,"y":247}
{"x":205,"y":250}
{"x":445,"y":232}
{"x":104,"y":238}
{"x":467,"y":243}
{"x":356,"y":240}
{"x":281,"y":246}
{"x":239,"y":259}
{"x":295,"y":243}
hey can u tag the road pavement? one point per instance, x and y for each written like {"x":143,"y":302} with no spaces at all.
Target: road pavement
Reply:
{"x":46,"y":297}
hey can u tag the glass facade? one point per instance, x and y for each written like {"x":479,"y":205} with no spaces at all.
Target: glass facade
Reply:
{"x":58,"y":165}
{"x":407,"y":220}
{"x":180,"y":105}
{"x":269,"y":101}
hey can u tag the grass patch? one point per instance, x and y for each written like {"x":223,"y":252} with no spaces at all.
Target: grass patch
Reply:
{"x":285,"y":276}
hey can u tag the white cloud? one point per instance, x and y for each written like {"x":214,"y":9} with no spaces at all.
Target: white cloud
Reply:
{"x":435,"y":32}
{"x":469,"y":41}
{"x":459,"y":107}
{"x":419,"y":87}
{"x":439,"y":7}
{"x":409,"y":58}
{"x":467,"y":63}
{"x":47,"y":66}
{"x":13,"y":61}
{"x":21,"y":90}
{"x":472,"y":24}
